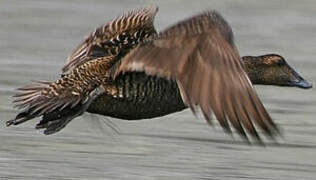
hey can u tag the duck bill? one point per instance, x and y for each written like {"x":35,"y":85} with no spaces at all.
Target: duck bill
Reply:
{"x":299,"y":81}
{"x":301,"y":84}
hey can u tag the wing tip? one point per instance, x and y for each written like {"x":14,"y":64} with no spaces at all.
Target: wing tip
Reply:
{"x":10,"y":122}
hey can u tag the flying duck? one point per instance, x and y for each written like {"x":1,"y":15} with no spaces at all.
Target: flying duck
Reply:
{"x":125,"y":69}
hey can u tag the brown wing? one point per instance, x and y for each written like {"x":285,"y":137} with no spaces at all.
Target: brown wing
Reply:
{"x":63,"y":99}
{"x":105,"y":39}
{"x":200,"y":54}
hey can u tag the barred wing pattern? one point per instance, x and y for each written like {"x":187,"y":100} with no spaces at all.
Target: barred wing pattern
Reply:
{"x":119,"y":34}
{"x":86,"y":74}
{"x":64,"y":99}
{"x":200,"y":55}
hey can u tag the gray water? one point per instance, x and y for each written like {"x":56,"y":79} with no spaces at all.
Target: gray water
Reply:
{"x":36,"y":36}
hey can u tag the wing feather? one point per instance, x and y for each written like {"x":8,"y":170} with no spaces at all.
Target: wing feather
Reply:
{"x":200,"y":54}
{"x":108,"y":33}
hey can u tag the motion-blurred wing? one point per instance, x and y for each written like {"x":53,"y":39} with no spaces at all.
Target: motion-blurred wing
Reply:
{"x":200,"y":54}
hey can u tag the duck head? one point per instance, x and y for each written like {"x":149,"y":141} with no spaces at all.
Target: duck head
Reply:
{"x":272,"y":69}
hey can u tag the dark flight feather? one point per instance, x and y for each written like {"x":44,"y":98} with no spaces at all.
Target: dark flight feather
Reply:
{"x":64,"y":99}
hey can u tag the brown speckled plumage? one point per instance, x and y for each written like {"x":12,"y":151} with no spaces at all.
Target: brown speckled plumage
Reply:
{"x":125,"y":70}
{"x":115,"y":37}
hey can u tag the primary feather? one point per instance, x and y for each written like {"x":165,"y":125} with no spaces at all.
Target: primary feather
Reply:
{"x":199,"y":53}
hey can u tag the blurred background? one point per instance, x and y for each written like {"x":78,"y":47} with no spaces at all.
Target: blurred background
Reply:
{"x":36,"y":36}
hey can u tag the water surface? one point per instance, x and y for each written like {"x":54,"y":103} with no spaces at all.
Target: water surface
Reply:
{"x":37,"y":36}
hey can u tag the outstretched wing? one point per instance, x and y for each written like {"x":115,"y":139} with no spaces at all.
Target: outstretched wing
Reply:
{"x":108,"y":39}
{"x":200,"y":54}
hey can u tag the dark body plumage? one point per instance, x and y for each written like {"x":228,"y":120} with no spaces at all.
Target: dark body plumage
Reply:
{"x":126,"y":70}
{"x":135,"y":96}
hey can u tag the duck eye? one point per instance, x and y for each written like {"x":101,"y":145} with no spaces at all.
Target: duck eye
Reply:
{"x":280,"y":62}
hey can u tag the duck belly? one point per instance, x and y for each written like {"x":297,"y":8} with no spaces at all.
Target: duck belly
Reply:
{"x":136,"y":96}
